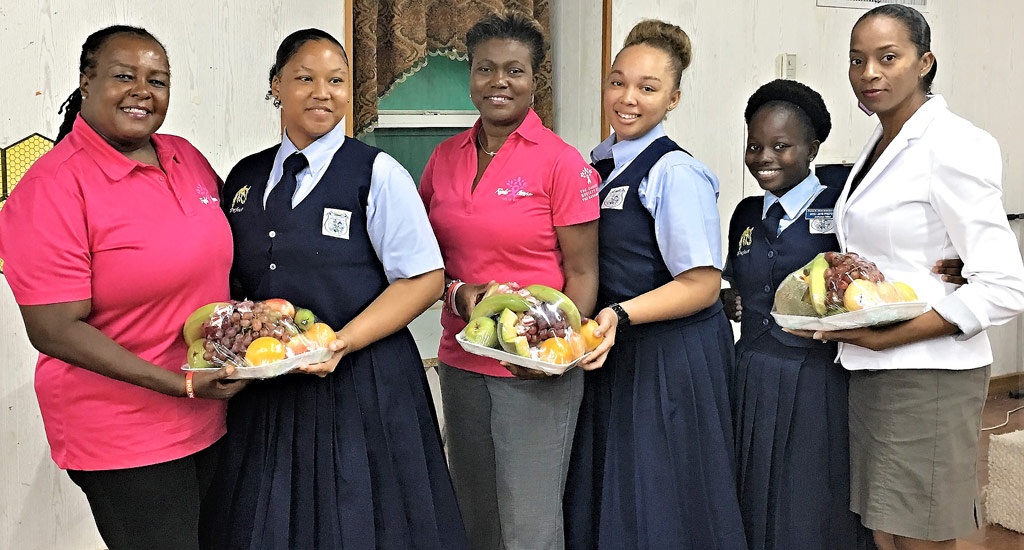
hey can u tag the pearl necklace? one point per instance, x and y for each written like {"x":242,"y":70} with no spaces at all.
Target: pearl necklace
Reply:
{"x":484,"y":149}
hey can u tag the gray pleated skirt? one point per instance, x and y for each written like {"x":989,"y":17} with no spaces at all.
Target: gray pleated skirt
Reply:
{"x":913,"y":450}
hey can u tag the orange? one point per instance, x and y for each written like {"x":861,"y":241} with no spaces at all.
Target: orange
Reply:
{"x":577,"y":342}
{"x":592,"y":340}
{"x":861,"y":294}
{"x":321,"y":333}
{"x":264,"y":350}
{"x":556,"y":350}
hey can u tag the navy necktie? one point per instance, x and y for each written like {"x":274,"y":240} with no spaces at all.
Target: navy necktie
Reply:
{"x":280,"y":199}
{"x":771,"y":219}
{"x":604,"y":167}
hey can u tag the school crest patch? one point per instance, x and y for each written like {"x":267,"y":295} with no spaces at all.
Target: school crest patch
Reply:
{"x":746,"y":239}
{"x":238,"y":202}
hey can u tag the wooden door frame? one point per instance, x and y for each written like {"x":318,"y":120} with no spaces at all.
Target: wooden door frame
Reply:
{"x":350,"y":114}
{"x":606,"y":63}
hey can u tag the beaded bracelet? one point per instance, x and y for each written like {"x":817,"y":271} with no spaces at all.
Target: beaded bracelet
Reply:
{"x":449,"y":295}
{"x":189,"y":389}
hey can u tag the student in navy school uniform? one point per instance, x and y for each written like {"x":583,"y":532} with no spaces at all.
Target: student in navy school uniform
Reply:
{"x":652,"y":462}
{"x":351,"y":457}
{"x":789,"y":397}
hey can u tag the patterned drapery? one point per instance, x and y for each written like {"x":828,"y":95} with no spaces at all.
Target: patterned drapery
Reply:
{"x":392,"y":39}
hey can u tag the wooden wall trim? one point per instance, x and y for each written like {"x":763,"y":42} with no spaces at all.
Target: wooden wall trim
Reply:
{"x":1001,"y":386}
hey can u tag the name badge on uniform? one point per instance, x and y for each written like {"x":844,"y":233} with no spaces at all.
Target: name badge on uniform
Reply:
{"x":615,"y":198}
{"x":336,"y":223}
{"x":820,"y":221}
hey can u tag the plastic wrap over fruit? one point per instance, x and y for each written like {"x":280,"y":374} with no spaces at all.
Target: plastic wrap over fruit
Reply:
{"x":534,"y":326}
{"x":834,"y":283}
{"x":261,"y":339}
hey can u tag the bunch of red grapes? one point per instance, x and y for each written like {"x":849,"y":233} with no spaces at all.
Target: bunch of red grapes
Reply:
{"x":543,"y":321}
{"x":844,"y":269}
{"x":233,"y":328}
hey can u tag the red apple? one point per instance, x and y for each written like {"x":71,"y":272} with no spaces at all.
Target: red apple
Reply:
{"x":278,"y":308}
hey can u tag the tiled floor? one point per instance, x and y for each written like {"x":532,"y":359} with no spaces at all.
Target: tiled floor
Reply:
{"x":995,"y":537}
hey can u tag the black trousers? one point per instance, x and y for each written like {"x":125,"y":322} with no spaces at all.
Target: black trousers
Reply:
{"x":151,"y":507}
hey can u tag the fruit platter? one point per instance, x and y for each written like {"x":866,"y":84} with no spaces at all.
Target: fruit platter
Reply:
{"x":838,"y":291}
{"x":536,"y":327}
{"x":261,"y":339}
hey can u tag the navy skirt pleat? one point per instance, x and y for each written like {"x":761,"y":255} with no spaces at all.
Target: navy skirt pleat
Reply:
{"x":350,"y":461}
{"x":790,"y":411}
{"x":652,"y":463}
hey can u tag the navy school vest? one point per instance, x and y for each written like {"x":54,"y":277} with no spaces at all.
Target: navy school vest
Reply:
{"x":630,"y":260}
{"x":760,"y":263}
{"x":319,"y":256}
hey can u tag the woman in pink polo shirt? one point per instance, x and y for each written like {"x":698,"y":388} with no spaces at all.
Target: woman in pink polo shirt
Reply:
{"x":509,"y":201}
{"x":109,"y":241}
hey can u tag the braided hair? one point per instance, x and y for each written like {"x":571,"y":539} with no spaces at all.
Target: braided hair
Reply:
{"x":87,"y":66}
{"x":805,"y":104}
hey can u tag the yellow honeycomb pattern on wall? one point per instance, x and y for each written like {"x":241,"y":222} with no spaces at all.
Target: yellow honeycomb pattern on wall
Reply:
{"x":16,"y":159}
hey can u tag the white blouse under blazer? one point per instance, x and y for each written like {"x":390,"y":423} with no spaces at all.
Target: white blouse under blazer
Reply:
{"x":934,"y":193}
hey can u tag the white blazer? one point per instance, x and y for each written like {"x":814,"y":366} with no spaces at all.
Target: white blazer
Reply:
{"x":934,"y":193}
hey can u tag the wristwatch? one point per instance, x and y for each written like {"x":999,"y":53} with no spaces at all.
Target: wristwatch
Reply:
{"x":621,"y":314}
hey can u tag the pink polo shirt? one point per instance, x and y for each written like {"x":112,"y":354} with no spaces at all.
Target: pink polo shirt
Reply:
{"x":504,"y":230}
{"x":147,"y":247}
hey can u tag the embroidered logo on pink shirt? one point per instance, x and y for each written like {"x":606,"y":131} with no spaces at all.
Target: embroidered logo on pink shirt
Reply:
{"x":204,"y":196}
{"x":514,"y":191}
{"x":591,"y":191}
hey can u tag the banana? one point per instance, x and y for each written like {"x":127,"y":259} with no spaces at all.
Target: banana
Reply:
{"x":816,"y":276}
{"x":494,"y":305}
{"x":552,"y":296}
{"x":192,"y":330}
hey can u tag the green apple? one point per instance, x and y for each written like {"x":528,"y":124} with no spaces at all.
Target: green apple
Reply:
{"x":195,"y":356}
{"x":482,"y":331}
{"x":304,"y":319}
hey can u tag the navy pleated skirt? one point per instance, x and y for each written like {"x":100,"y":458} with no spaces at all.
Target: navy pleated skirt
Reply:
{"x":790,"y":409}
{"x":350,"y":461}
{"x":652,"y":462}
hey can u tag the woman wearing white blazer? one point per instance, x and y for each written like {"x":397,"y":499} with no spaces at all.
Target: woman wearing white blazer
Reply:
{"x":927,"y":186}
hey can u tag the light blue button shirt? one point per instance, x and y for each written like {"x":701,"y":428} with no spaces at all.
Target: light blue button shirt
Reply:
{"x":795,"y":201}
{"x":395,"y":218}
{"x":682,"y":195}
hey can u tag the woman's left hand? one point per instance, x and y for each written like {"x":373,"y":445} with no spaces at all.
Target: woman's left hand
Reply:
{"x":339,"y":346}
{"x":607,"y":325}
{"x":872,"y":338}
{"x":951,"y":270}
